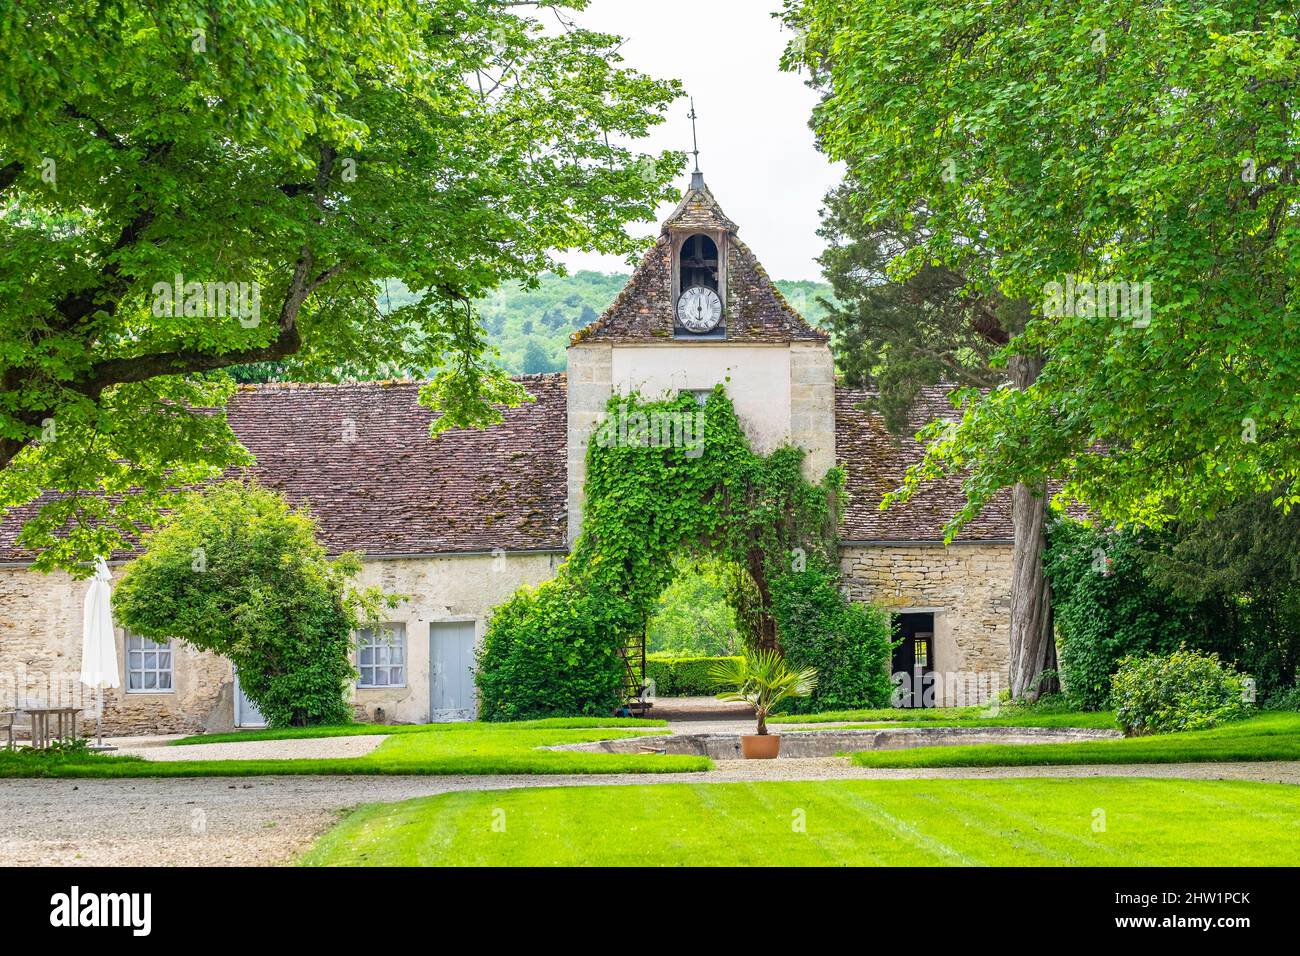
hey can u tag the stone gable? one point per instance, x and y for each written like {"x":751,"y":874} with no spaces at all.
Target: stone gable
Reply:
{"x":699,"y":212}
{"x":756,"y":312}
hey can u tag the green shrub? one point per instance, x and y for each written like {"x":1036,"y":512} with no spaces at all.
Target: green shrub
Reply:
{"x":1105,"y":608}
{"x":849,"y":644}
{"x":236,"y":570}
{"x":1185,"y":690}
{"x":544,"y":654}
{"x":683,"y":676}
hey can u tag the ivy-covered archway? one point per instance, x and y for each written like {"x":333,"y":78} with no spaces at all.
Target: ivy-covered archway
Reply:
{"x":664,"y":478}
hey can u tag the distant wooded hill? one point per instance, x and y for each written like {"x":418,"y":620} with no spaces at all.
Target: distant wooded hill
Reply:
{"x":531,"y":327}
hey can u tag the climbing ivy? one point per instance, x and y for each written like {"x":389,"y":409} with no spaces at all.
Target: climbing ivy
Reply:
{"x":664,"y":479}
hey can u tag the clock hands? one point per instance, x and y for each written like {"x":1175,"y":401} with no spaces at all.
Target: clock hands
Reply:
{"x":697,"y":310}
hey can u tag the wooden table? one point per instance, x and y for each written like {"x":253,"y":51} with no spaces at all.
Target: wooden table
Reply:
{"x":41,"y":737}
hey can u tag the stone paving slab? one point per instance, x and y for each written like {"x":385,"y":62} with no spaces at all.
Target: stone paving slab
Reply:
{"x":828,"y":742}
{"x":699,"y":708}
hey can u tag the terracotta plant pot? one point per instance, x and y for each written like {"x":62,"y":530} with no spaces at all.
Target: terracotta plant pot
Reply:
{"x":760,"y":746}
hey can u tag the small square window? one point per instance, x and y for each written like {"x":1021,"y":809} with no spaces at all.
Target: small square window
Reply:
{"x":148,"y":665}
{"x":381,"y":656}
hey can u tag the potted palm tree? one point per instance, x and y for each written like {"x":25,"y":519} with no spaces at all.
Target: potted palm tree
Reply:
{"x":762,"y":679}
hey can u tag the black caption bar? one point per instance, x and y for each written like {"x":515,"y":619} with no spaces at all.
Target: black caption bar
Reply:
{"x":334,"y":906}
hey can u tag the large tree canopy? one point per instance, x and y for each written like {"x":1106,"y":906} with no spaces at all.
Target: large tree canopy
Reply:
{"x":156,"y":155}
{"x":935,"y":324}
{"x":1122,"y":141}
{"x":900,"y":336}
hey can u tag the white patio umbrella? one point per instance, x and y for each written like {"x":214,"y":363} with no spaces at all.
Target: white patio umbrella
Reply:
{"x":98,"y":643}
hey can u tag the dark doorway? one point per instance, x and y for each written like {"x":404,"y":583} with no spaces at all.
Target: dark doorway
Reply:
{"x":914,"y":660}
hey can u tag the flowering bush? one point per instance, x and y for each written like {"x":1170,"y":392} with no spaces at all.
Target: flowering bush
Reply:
{"x":1185,"y":690}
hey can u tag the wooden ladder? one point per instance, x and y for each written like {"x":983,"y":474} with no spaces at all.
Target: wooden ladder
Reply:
{"x":634,"y":686}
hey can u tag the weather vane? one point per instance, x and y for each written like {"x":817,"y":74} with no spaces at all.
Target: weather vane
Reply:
{"x":697,"y":177}
{"x":694,"y":139}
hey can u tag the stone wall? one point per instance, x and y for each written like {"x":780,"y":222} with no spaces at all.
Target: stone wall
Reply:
{"x":966,"y":586}
{"x":41,"y":624}
{"x":591,"y":383}
{"x":812,"y":406}
{"x":461,"y":588}
{"x":40,"y":663}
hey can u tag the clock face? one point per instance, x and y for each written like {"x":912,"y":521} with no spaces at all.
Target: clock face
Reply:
{"x":699,"y":309}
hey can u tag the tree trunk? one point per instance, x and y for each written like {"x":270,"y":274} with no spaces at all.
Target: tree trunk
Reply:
{"x":1033,"y":645}
{"x":765,"y":638}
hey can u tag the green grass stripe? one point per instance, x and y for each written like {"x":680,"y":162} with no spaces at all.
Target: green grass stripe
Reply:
{"x":854,"y":822}
{"x":1268,"y":736}
{"x":467,"y":748}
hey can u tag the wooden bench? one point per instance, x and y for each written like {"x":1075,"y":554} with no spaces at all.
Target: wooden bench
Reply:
{"x":7,"y":725}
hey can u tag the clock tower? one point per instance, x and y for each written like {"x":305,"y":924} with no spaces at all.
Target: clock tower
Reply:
{"x":698,"y":311}
{"x":698,"y":234}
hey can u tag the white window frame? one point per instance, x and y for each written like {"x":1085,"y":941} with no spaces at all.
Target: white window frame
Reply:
{"x":149,"y":646}
{"x":379,"y":646}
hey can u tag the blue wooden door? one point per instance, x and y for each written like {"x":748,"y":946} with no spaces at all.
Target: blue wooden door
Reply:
{"x":451,"y":671}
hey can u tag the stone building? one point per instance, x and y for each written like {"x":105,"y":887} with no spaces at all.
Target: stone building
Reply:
{"x":459,"y":522}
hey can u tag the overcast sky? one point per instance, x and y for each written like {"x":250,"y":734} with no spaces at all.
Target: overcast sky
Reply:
{"x":756,"y":150}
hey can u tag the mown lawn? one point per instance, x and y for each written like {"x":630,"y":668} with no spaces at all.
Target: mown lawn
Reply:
{"x":955,"y":717}
{"x":355,"y":730}
{"x":1268,"y":736}
{"x":1032,"y":822}
{"x":468,"y":748}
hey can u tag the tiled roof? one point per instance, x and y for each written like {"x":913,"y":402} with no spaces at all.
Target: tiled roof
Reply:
{"x":361,"y":456}
{"x":699,"y":210}
{"x":876,"y":461}
{"x":394,"y":490}
{"x":756,"y":311}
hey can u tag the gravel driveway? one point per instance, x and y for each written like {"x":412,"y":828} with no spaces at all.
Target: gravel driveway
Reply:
{"x":310,"y":748}
{"x":271,"y":820}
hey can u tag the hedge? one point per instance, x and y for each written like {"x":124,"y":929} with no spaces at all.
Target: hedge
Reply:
{"x":1106,"y":608}
{"x":849,"y":644}
{"x":682,"y":676}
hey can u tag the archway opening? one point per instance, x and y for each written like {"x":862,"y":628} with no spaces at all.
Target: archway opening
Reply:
{"x":667,"y":478}
{"x":704,"y":616}
{"x":695,"y":616}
